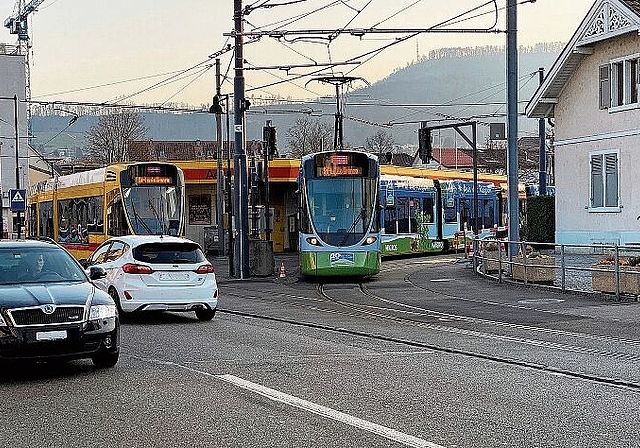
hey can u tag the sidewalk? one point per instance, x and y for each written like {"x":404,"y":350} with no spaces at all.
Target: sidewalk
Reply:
{"x":291,"y":266}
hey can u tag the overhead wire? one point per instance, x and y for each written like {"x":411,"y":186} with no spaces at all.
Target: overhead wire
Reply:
{"x":109,"y":84}
{"x":202,"y":72}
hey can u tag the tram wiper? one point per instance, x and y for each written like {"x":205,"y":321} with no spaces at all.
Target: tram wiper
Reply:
{"x":140,"y":220}
{"x":155,"y":213}
{"x":353,"y":227}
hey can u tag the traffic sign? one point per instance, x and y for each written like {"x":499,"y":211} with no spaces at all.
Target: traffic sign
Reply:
{"x":18,"y":200}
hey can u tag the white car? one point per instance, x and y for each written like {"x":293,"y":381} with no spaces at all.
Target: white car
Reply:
{"x":152,"y":272}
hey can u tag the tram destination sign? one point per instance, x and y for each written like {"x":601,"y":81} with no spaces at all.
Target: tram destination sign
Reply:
{"x":336,"y":165}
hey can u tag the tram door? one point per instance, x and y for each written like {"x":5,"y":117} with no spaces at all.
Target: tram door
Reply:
{"x":292,"y":231}
{"x":465,"y":215}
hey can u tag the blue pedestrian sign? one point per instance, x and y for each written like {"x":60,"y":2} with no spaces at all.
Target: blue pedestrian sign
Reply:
{"x":18,"y":200}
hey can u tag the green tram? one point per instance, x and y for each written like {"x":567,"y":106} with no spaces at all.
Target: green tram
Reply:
{"x":339,"y":214}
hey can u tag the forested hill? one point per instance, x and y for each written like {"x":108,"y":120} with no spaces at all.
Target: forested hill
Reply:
{"x":455,"y":82}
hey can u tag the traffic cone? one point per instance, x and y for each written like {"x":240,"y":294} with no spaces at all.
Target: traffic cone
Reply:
{"x":283,"y":271}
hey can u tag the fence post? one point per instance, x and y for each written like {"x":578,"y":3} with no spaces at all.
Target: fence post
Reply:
{"x":523,"y":250}
{"x":499,"y":262}
{"x":563,"y":272}
{"x":617,"y":271}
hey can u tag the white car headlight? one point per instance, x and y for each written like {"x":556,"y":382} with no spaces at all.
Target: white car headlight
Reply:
{"x":97,"y":312}
{"x":3,"y":323}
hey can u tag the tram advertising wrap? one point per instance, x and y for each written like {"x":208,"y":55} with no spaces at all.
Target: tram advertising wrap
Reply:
{"x":339,"y":226}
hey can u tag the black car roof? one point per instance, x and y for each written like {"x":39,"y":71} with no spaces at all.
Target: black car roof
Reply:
{"x":8,"y":244}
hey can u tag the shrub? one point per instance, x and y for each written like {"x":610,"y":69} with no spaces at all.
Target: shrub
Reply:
{"x":540,"y":224}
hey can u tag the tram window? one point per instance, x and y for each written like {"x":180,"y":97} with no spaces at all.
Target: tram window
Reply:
{"x":450,"y":215}
{"x":465,"y":214}
{"x":32,"y":220}
{"x":402,"y":208}
{"x":488,"y":216}
{"x":46,"y":219}
{"x":427,"y":210}
{"x":116,"y":219}
{"x":95,"y":220}
{"x":390,"y":221}
{"x":73,"y":218}
{"x":414,"y":209}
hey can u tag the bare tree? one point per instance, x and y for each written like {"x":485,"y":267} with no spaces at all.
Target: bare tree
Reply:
{"x":379,"y":143}
{"x":309,"y":135}
{"x":108,"y":138}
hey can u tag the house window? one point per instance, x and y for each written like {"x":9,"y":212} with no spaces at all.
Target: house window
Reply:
{"x":618,"y":86}
{"x":604,"y":180}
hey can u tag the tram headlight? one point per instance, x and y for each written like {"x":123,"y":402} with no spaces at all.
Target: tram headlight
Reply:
{"x":313,"y":241}
{"x":370,"y":240}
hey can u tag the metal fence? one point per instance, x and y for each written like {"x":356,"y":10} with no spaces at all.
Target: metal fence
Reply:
{"x":600,"y":268}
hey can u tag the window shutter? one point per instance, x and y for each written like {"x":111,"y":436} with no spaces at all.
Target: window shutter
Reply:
{"x":605,"y":87}
{"x":597,"y":181}
{"x":611,"y":180}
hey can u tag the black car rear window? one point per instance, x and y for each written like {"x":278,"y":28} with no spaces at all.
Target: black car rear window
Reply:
{"x":175,"y":253}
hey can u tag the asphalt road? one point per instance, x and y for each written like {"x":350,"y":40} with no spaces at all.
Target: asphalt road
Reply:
{"x":423,"y":355}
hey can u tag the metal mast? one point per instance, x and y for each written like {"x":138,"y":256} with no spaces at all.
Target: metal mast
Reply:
{"x":338,"y":82}
{"x":18,"y":24}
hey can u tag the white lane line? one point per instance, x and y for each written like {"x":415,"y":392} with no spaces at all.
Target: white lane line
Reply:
{"x":324,"y":411}
{"x":299,"y":403}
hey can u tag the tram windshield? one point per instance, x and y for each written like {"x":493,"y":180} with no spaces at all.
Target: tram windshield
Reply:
{"x":154,"y":210}
{"x":341,"y":209}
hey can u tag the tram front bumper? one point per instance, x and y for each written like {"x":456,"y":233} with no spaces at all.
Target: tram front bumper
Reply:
{"x":339,"y":263}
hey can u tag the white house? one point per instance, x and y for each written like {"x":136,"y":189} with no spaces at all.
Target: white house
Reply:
{"x":592,"y":93}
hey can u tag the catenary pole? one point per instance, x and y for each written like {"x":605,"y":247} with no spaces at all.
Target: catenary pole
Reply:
{"x":240,"y":159}
{"x":219,"y":176}
{"x":512,"y":124}
{"x":229,"y":198}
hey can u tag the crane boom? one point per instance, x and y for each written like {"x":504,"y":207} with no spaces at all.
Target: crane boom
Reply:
{"x":17,"y":23}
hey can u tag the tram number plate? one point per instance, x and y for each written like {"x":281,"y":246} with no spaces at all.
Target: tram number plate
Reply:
{"x":341,"y":258}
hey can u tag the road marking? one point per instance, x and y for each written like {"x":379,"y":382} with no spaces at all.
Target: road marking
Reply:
{"x":534,"y":301}
{"x":299,"y":403}
{"x":324,"y":411}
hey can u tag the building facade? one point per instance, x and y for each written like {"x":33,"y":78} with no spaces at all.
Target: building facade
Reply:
{"x":592,"y":94}
{"x":12,"y":154}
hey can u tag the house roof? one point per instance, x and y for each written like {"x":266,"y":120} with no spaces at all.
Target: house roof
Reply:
{"x":606,"y":19}
{"x":452,"y":158}
{"x":397,"y":159}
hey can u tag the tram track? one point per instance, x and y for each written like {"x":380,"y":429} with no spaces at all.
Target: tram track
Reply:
{"x":405,"y":314}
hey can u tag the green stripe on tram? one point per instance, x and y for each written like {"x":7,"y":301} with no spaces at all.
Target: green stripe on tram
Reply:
{"x":338,"y":263}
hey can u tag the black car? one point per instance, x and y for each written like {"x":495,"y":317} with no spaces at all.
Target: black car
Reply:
{"x":50,"y":309}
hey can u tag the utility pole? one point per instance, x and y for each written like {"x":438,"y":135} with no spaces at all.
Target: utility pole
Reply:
{"x":512,"y":124}
{"x":542,"y":175}
{"x":219,"y":173}
{"x":240,"y":161}
{"x":15,"y":117}
{"x":231,"y":242}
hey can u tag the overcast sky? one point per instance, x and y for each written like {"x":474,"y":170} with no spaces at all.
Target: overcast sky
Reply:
{"x":80,"y":44}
